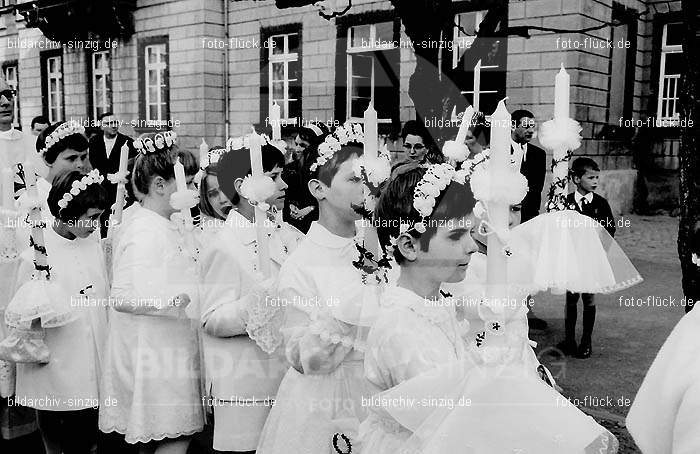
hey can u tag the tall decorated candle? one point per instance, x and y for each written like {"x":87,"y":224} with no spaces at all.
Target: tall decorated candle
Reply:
{"x":263,"y":241}
{"x":371,"y":150}
{"x":181,"y":182}
{"x":36,"y":221}
{"x":464,"y":125}
{"x":561,"y":95}
{"x":275,"y":121}
{"x":121,"y":186}
{"x":498,"y":210}
{"x":477,"y":85}
{"x":203,"y":154}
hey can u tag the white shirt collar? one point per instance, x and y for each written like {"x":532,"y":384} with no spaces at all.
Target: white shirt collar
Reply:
{"x":242,"y":227}
{"x":322,"y":236}
{"x":580,"y":197}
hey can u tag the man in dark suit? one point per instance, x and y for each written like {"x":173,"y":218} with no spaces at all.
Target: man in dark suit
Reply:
{"x":105,"y":150}
{"x":533,"y":165}
{"x":533,"y":161}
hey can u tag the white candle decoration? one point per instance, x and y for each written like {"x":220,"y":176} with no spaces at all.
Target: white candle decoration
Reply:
{"x":121,"y":186}
{"x":371,"y":148}
{"x":181,"y":183}
{"x":477,"y":85}
{"x":275,"y":121}
{"x":561,"y":95}
{"x":499,"y":164}
{"x":203,"y":154}
{"x":263,"y":241}
{"x":464,"y":126}
{"x":35,"y":219}
{"x":8,"y":189}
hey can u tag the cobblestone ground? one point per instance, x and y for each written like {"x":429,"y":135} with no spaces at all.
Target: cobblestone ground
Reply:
{"x":631,"y":326}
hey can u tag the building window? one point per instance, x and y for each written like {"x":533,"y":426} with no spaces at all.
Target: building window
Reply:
{"x":10,"y":72}
{"x":52,"y":85}
{"x":492,"y":65}
{"x":154,"y":85}
{"x":283,"y":75}
{"x":101,"y":77}
{"x":671,"y":66}
{"x":372,"y":71}
{"x":622,"y":64}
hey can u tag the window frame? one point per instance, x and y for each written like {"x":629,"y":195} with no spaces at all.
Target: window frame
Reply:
{"x":664,"y":50}
{"x":351,"y":51}
{"x":107,"y":92}
{"x":266,"y":92}
{"x":285,"y":58}
{"x":46,"y":76}
{"x":143,"y":67}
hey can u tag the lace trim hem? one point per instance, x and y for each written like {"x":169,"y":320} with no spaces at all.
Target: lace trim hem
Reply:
{"x":264,"y":324}
{"x":335,"y":338}
{"x":149,"y":437}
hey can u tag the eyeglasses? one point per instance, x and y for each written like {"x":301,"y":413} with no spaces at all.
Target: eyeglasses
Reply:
{"x":9,"y":94}
{"x":417,"y":146}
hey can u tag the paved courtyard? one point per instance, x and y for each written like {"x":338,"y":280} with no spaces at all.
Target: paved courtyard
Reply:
{"x":626,"y":337}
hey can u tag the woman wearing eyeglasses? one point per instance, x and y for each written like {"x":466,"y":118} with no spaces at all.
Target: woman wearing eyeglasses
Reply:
{"x":417,"y":143}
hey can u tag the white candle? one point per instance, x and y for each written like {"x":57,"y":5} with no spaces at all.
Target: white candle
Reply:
{"x":203,"y":154}
{"x":477,"y":85}
{"x":499,"y":163}
{"x":8,"y":189}
{"x":256,"y":165}
{"x":263,"y":241}
{"x":371,"y":148}
{"x":561,"y":94}
{"x":35,"y":218}
{"x":181,"y":183}
{"x":121,"y":187}
{"x":464,"y":126}
{"x":275,"y":121}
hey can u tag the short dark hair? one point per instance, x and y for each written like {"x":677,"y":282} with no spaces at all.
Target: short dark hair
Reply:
{"x":93,"y":196}
{"x":75,"y":141}
{"x":416,"y":128}
{"x":104,"y":115}
{"x":583,"y":164}
{"x":326,"y":172}
{"x":236,"y":164}
{"x":189,"y":162}
{"x":395,"y":205}
{"x":41,"y":119}
{"x":519,"y":115}
{"x":306,"y":132}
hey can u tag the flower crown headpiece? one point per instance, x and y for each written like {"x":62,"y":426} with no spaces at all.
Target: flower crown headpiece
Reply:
{"x":349,"y":132}
{"x":161,"y":141}
{"x":436,"y":179}
{"x":64,"y":130}
{"x":212,"y":156}
{"x":79,"y":186}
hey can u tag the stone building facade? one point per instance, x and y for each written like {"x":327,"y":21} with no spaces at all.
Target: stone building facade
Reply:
{"x":211,"y":69}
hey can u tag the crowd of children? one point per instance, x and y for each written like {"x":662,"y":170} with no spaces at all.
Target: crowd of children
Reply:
{"x":182,"y":330}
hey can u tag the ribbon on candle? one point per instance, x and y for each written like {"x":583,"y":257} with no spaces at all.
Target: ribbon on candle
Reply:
{"x":36,"y":238}
{"x":561,"y":136}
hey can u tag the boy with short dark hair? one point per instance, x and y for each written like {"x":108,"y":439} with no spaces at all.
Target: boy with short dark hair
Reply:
{"x":585,"y":174}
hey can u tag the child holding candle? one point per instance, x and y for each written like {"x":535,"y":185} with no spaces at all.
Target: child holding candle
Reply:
{"x":152,"y":354}
{"x":239,"y":317}
{"x":214,"y":205}
{"x":65,"y":391}
{"x":321,"y":394}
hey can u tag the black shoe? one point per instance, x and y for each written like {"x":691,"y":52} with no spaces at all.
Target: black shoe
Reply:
{"x":567,"y":348}
{"x":584,"y":351}
{"x":537,"y":323}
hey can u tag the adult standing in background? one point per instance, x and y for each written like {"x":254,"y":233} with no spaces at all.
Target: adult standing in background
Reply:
{"x":533,"y":165}
{"x":105,"y":150}
{"x":533,"y":161}
{"x":39,"y":124}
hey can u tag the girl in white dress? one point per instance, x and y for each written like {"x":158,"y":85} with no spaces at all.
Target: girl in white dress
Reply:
{"x":65,"y":391}
{"x":214,"y":206}
{"x":151,"y":371}
{"x":239,"y":317}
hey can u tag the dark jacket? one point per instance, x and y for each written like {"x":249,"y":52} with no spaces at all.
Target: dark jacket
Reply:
{"x":534,"y":168}
{"x":598,"y":209}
